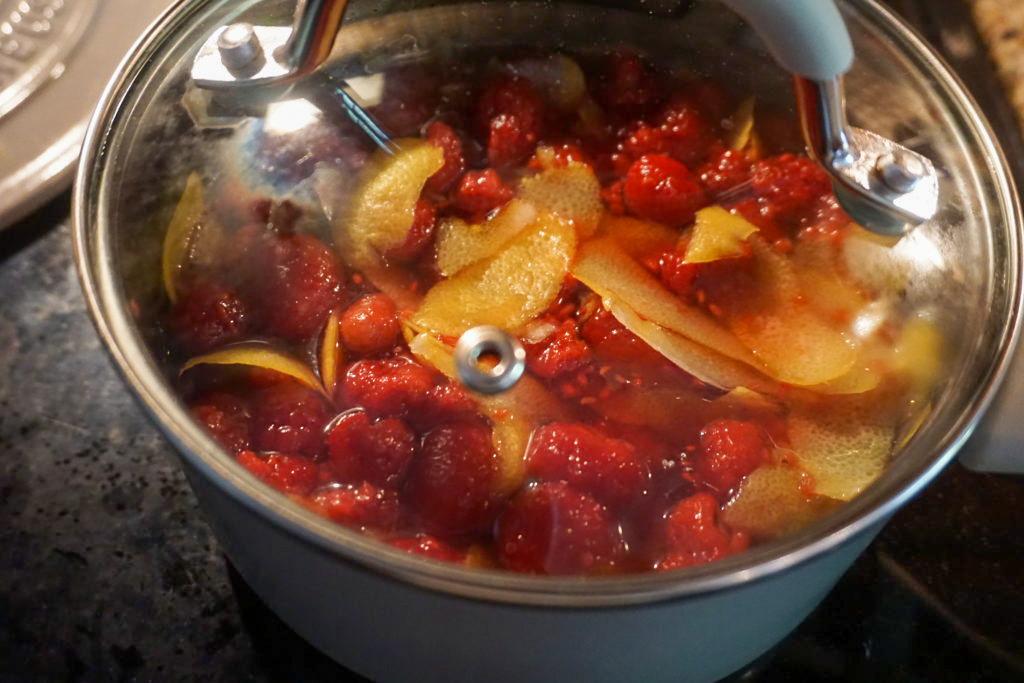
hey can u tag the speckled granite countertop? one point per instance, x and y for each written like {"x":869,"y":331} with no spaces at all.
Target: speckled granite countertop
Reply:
{"x":108,"y":572}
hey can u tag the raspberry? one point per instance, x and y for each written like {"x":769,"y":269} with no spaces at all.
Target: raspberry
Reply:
{"x":226,"y":418}
{"x":684,"y":134}
{"x":661,"y":189}
{"x":386,"y":388}
{"x":729,"y":451}
{"x":679,"y":132}
{"x":362,"y":450}
{"x":420,"y":235}
{"x":451,"y":485}
{"x":552,"y":529}
{"x":626,"y":87}
{"x":713,"y":100}
{"x":208,"y":315}
{"x":610,"y":340}
{"x":761,"y":215}
{"x":441,"y":135}
{"x":608,"y":469}
{"x":428,"y":546}
{"x":286,"y":473}
{"x":677,"y":274}
{"x":290,"y":418}
{"x":724,"y":170}
{"x":443,"y":403}
{"x":512,"y":115}
{"x":788,"y":185}
{"x":613,"y":198}
{"x":693,"y":535}
{"x":560,"y":353}
{"x":364,"y":506}
{"x":300,"y":283}
{"x":827,"y":219}
{"x":370,"y":325}
{"x":408,"y":100}
{"x":480,"y":192}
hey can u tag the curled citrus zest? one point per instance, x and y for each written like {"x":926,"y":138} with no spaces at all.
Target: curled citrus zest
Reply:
{"x":608,"y":270}
{"x":702,"y":362}
{"x":742,"y":125}
{"x":460,"y":244}
{"x":507,"y":290}
{"x":332,"y":356}
{"x":571,"y":192}
{"x":187,"y":215}
{"x":636,"y":237}
{"x":382,"y":207}
{"x":717,"y":234}
{"x":841,"y":445}
{"x":259,"y":355}
{"x":771,"y":502}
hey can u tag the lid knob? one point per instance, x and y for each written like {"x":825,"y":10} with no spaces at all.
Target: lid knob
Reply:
{"x":239,"y":47}
{"x":487,"y":340}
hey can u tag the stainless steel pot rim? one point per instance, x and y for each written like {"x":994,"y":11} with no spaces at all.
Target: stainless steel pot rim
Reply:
{"x":871,"y":508}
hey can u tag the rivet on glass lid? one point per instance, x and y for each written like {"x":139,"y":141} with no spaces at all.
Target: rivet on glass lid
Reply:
{"x":476,"y":346}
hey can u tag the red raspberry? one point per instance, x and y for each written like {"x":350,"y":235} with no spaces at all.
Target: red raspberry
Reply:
{"x":451,"y":485}
{"x":370,"y":325}
{"x":642,"y":139}
{"x":693,"y":535}
{"x":420,"y":235}
{"x":290,"y":418}
{"x":684,"y":134}
{"x":286,"y":473}
{"x":362,"y":450}
{"x":661,"y":189}
{"x":608,"y":469}
{"x":428,"y":546}
{"x":408,"y":101}
{"x":441,"y":135}
{"x":761,"y":215}
{"x":276,"y":217}
{"x":395,"y":387}
{"x":827,"y":219}
{"x":560,"y":352}
{"x":713,"y":100}
{"x":729,"y":451}
{"x":208,"y":315}
{"x":788,"y":184}
{"x":447,"y":402}
{"x":480,"y":192}
{"x":300,"y":284}
{"x":678,"y":275}
{"x":512,"y":114}
{"x":610,"y":340}
{"x":613,"y":198}
{"x":226,"y":418}
{"x":724,"y":170}
{"x":364,"y":506}
{"x":626,"y":87}
{"x":552,"y":529}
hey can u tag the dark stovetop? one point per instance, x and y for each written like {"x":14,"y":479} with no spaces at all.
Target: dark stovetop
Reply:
{"x":107,"y":571}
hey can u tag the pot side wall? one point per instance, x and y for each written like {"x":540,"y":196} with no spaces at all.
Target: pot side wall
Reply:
{"x":392,"y":631}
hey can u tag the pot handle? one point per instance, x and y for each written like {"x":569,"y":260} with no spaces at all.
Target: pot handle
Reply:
{"x":807,"y":37}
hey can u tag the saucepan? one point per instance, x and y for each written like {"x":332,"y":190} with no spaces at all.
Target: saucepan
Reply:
{"x":909,"y":155}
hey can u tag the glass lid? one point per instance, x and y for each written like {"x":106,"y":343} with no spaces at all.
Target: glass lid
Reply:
{"x":550,"y":288}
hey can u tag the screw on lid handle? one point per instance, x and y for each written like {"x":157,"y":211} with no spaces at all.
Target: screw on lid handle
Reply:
{"x":807,"y":37}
